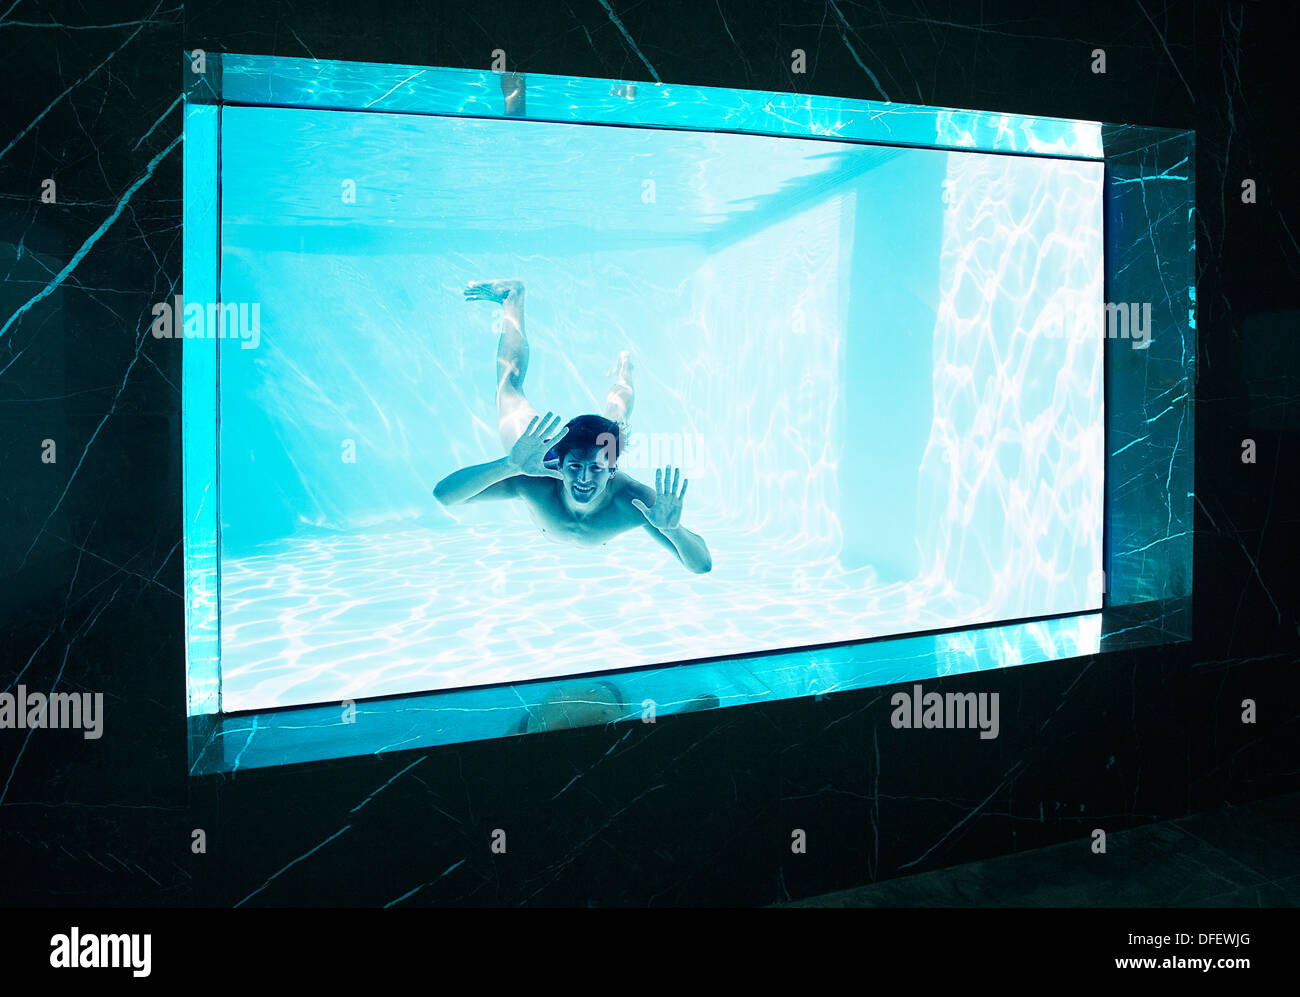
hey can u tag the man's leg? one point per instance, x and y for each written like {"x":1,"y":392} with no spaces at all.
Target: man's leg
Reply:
{"x":514,"y":411}
{"x":618,"y":403}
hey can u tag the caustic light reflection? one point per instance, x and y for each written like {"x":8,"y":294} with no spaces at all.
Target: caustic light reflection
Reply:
{"x":844,"y":348}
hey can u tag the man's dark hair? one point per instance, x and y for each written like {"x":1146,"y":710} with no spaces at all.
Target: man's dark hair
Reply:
{"x":586,"y":432}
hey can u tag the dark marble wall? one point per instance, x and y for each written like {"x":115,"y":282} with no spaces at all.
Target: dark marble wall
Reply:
{"x":698,"y":808}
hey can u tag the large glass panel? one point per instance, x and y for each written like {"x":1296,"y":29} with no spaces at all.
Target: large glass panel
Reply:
{"x":929,"y":371}
{"x":854,"y":353}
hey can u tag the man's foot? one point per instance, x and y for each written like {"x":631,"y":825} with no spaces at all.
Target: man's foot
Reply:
{"x":493,"y":290}
{"x":621,"y":372}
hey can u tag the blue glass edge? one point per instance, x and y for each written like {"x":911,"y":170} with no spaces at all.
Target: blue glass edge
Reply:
{"x":294,"y":82}
{"x":317,"y":733}
{"x":1150,"y":260}
{"x":198,"y":412}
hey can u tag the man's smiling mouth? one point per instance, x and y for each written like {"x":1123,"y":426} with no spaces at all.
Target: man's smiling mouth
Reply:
{"x":584,"y":491}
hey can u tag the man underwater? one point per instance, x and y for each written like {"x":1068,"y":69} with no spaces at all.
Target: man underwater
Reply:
{"x":569,"y":479}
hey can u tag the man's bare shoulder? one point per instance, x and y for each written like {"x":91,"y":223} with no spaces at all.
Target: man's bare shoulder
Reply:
{"x":533,"y":489}
{"x":628,"y":488}
{"x":625,"y":490}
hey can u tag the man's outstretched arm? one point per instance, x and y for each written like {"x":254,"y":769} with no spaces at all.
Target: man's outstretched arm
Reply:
{"x":496,"y":479}
{"x":500,"y":478}
{"x":690,"y":548}
{"x":664,"y":520}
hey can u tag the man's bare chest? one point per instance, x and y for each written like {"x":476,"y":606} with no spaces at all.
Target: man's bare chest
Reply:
{"x":557,"y":524}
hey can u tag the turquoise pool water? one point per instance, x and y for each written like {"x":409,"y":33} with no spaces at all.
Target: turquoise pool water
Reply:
{"x":850,"y":349}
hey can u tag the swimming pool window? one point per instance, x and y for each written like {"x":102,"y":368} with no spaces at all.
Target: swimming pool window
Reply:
{"x":889,"y":348}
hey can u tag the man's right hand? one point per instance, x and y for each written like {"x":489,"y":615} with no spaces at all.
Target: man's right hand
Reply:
{"x":528,"y":454}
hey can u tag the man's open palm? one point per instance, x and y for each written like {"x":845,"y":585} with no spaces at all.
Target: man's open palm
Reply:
{"x":528,"y":454}
{"x":666,"y":513}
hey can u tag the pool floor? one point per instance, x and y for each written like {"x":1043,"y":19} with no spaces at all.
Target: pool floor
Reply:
{"x":316,"y":620}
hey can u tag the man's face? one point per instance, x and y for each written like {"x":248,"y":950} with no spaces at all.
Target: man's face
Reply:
{"x":586,"y":473}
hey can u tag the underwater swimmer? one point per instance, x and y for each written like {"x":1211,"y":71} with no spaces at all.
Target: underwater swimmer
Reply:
{"x":568,"y":477}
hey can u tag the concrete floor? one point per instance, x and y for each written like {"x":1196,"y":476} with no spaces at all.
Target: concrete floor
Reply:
{"x":1245,"y":856}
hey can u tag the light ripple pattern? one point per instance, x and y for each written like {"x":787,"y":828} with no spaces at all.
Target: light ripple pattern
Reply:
{"x":732,"y":288}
